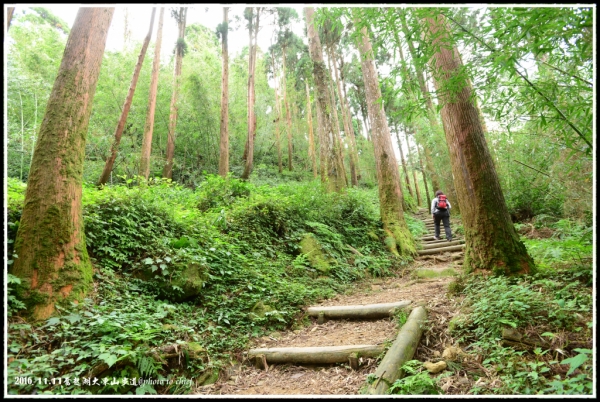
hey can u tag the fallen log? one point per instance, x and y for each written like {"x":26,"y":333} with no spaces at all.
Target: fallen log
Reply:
{"x":448,"y":243}
{"x":441,"y":249}
{"x":401,"y":351}
{"x":315,"y":354}
{"x":359,"y":311}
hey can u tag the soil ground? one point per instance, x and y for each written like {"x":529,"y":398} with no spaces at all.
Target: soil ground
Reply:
{"x":340,"y":379}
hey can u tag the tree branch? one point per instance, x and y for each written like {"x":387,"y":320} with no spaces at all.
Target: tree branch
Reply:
{"x":561,"y":114}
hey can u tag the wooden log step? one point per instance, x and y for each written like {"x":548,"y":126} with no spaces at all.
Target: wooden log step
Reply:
{"x":315,"y":354}
{"x":429,"y":240}
{"x":401,"y":351}
{"x":441,"y":249}
{"x":358,"y":311}
{"x":440,"y":243}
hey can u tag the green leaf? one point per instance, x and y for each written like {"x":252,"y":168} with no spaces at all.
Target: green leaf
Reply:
{"x":108,"y":358}
{"x":52,"y":321}
{"x":575,"y":362}
{"x":148,"y":261}
{"x":73,"y":318}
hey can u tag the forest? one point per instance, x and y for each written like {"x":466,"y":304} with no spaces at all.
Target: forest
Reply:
{"x":185,"y":215}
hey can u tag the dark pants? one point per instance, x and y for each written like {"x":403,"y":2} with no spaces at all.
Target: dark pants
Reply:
{"x":444,"y":217}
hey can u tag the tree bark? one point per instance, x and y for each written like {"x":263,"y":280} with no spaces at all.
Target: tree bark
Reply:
{"x":249,"y":153}
{"x":482,"y":201}
{"x":224,"y":143}
{"x":53,"y":263}
{"x":399,"y":239}
{"x":401,"y":351}
{"x":168,"y":168}
{"x":149,"y":126}
{"x":9,"y":14}
{"x":108,"y":167}
{"x":335,"y":179}
{"x":311,"y":139}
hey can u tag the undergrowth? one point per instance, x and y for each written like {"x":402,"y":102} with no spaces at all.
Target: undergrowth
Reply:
{"x":551,"y":311}
{"x":184,"y":278}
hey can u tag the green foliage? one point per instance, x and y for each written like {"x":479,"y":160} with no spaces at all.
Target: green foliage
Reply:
{"x":417,"y":381}
{"x":14,"y":304}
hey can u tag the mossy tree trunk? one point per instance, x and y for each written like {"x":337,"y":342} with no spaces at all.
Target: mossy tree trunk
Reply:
{"x":108,"y":167}
{"x":333,"y":172}
{"x":492,"y":243}
{"x":179,"y":49}
{"x":224,"y":128}
{"x":52,"y":257}
{"x":399,"y":239}
{"x":149,"y":125}
{"x":252,"y":33}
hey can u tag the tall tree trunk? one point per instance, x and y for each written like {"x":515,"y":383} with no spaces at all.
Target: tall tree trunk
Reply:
{"x":429,"y":198}
{"x":430,"y":108}
{"x":399,"y":239}
{"x":492,"y":243}
{"x":311,"y":138}
{"x":410,"y":164}
{"x":288,"y":116}
{"x":149,"y":125}
{"x":22,"y":137}
{"x":406,"y":176}
{"x":277,"y":120}
{"x":278,"y":131}
{"x":108,"y":167}
{"x":251,"y":95}
{"x":339,"y":144}
{"x":53,"y":263}
{"x":168,"y":168}
{"x":330,"y":59}
{"x":224,"y":144}
{"x":9,"y":14}
{"x":323,"y":142}
{"x":336,"y":180}
{"x":348,"y":128}
{"x":35,"y":115}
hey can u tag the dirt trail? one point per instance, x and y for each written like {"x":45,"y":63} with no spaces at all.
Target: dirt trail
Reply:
{"x":412,"y":284}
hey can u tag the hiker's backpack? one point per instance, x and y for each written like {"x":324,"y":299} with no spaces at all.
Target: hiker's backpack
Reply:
{"x":442,"y":203}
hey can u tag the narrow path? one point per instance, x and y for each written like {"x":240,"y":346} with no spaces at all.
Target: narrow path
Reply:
{"x":425,"y":282}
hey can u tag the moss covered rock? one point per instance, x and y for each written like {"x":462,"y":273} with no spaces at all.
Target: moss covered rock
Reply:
{"x":318,"y":259}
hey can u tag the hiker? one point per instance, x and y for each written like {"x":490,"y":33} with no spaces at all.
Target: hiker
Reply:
{"x":440,"y":210}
